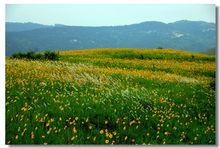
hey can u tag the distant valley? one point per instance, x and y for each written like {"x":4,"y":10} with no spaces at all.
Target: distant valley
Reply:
{"x":196,"y":36}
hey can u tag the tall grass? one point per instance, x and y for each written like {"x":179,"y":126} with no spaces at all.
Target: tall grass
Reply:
{"x":92,"y":97}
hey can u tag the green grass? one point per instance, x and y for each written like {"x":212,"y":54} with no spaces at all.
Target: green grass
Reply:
{"x":93,"y":101}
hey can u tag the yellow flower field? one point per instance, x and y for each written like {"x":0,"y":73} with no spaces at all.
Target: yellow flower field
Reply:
{"x":112,"y":96}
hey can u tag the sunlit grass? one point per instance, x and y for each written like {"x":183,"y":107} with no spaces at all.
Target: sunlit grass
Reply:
{"x":79,"y":101}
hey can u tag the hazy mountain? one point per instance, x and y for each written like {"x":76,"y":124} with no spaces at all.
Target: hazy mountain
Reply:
{"x":187,"y":35}
{"x":16,"y":27}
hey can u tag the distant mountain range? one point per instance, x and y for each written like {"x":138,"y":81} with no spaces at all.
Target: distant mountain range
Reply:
{"x":195,"y":36}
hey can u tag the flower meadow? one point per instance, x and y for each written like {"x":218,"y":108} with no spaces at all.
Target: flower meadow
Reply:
{"x":112,"y":96}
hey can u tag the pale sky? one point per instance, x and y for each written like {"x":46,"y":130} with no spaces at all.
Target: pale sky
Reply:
{"x":107,"y":14}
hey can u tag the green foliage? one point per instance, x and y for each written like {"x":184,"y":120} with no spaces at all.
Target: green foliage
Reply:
{"x":51,"y":55}
{"x":48,"y":55}
{"x":212,"y":84}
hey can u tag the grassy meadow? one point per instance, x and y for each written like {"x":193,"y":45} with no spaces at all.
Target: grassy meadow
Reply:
{"x":112,"y":96}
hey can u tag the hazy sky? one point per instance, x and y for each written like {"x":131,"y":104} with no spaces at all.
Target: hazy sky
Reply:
{"x":107,"y":14}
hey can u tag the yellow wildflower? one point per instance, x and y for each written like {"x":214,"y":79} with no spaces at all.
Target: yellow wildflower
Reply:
{"x":110,"y":136}
{"x":74,"y":130}
{"x":101,"y":132}
{"x":107,"y":134}
{"x":52,"y":120}
{"x":24,"y":109}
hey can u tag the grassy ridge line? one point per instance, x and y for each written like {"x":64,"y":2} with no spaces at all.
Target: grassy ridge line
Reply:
{"x":49,"y":70}
{"x":135,"y":50}
{"x":184,"y":68}
{"x":67,"y":71}
{"x":167,"y":60}
{"x":125,"y":53}
{"x":186,"y":65}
